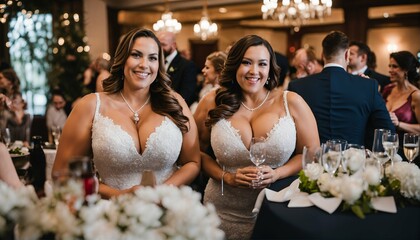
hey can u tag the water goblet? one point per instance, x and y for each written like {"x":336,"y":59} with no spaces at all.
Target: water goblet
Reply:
{"x":331,"y":157}
{"x":411,"y":146}
{"x":378,"y":150}
{"x":257,"y":155}
{"x":390,"y":143}
{"x":311,"y":155}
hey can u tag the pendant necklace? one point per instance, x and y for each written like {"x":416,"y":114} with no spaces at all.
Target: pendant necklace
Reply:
{"x":257,"y":107}
{"x":136,"y":117}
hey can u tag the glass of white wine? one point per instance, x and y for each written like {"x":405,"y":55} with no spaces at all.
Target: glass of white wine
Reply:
{"x":377,"y":147}
{"x":411,"y":146}
{"x":390,"y":143}
{"x":331,"y":157}
{"x":257,"y":155}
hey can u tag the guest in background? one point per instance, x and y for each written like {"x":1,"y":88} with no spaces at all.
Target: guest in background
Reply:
{"x":9,"y":81}
{"x":89,"y":77}
{"x":138,"y":123}
{"x":306,"y":63}
{"x":182,"y":72}
{"x":345,"y":106}
{"x":102,"y":66}
{"x":250,"y":104}
{"x":57,"y":112}
{"x":212,"y":71}
{"x":358,"y":63}
{"x":19,"y":121}
{"x":402,"y":96}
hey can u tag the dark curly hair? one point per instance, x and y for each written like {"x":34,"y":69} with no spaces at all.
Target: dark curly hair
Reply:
{"x":162,"y":101}
{"x":11,"y":75}
{"x":408,"y":62}
{"x":229,"y":95}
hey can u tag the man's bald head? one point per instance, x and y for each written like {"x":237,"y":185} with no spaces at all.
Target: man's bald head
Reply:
{"x":168,"y":42}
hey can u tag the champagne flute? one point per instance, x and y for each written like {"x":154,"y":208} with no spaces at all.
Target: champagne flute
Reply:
{"x":411,"y":146}
{"x":7,"y":137}
{"x":377,"y":147}
{"x":257,"y":155}
{"x":331,"y":157}
{"x":390,"y":143}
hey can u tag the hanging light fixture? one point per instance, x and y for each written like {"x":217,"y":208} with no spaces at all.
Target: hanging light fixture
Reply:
{"x":296,"y":12}
{"x":205,"y":28}
{"x":167,"y":23}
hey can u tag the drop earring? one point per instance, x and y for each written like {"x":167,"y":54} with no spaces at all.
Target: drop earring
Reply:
{"x":266,"y":82}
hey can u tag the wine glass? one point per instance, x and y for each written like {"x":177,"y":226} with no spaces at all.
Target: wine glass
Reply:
{"x":353,"y":157}
{"x":148,"y":178}
{"x":331,"y":156}
{"x":257,"y":155}
{"x":390,"y":143}
{"x":7,"y":137}
{"x":378,"y":150}
{"x":56,"y":133}
{"x":411,"y":146}
{"x":311,"y":155}
{"x":343,"y":147}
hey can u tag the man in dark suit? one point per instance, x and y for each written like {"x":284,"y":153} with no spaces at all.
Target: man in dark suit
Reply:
{"x":182,"y":72}
{"x":345,"y":106}
{"x":358,"y":63}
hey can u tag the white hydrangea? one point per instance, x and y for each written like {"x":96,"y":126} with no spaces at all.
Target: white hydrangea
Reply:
{"x":372,"y":175}
{"x":409,"y":177}
{"x":354,"y":159}
{"x":351,"y":189}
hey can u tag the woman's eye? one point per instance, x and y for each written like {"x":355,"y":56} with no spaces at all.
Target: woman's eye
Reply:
{"x":246,"y":62}
{"x":136,"y":55}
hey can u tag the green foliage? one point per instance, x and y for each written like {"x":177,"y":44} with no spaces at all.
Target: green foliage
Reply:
{"x":307,"y":185}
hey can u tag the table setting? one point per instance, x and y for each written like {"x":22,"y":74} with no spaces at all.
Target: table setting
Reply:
{"x":341,"y":186}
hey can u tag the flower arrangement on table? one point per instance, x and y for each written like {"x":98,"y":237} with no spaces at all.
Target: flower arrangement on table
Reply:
{"x":162,"y":212}
{"x":359,"y":188}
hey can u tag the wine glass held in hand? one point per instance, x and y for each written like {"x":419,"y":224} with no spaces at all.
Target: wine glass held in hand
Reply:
{"x":257,"y":155}
{"x":411,"y":146}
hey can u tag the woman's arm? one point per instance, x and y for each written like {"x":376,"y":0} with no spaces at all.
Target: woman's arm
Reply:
{"x":306,"y":135}
{"x":7,"y":169}
{"x":189,"y":158}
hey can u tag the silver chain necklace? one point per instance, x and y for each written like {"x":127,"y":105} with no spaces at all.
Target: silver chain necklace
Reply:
{"x":136,"y":117}
{"x":257,"y":107}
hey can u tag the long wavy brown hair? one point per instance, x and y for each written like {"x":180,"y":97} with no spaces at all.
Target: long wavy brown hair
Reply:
{"x":229,"y":95}
{"x":161,"y":98}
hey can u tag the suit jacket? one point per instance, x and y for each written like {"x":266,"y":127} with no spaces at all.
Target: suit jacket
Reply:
{"x":345,"y":106}
{"x":183,"y":74}
{"x":382,"y":79}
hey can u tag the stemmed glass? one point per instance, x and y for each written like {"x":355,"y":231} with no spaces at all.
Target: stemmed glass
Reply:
{"x":56,"y":133}
{"x":377,"y":147}
{"x":311,"y":155}
{"x":353,"y":157}
{"x":411,"y":146}
{"x":343,"y":147}
{"x":257,"y":155}
{"x":390,"y":143}
{"x":6,"y":137}
{"x":331,"y":156}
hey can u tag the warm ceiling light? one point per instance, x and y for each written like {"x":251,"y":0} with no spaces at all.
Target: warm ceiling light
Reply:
{"x":205,"y":28}
{"x":167,"y":23}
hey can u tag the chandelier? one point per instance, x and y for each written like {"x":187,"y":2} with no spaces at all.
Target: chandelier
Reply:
{"x":205,"y":28}
{"x":296,"y":12}
{"x":167,"y":23}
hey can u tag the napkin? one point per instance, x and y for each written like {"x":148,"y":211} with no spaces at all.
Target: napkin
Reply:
{"x":300,"y":199}
{"x":259,"y":201}
{"x":384,"y":204}
{"x":285,"y":194}
{"x":327,"y":204}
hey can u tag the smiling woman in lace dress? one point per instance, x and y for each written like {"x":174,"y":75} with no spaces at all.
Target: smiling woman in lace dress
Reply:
{"x":138,"y":123}
{"x":247,"y":105}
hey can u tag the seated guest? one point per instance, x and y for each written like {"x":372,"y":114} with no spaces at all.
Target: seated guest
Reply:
{"x":56,"y":114}
{"x":9,"y":85}
{"x":249,"y":104}
{"x":358,"y":63}
{"x":19,"y":121}
{"x":138,"y":123}
{"x":402,"y":96}
{"x":345,"y":106}
{"x":306,"y":63}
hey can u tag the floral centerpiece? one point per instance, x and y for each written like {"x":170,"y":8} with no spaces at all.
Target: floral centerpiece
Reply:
{"x":400,"y":180}
{"x":162,"y":212}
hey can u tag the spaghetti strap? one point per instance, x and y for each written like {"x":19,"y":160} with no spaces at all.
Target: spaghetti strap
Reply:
{"x":98,"y":104}
{"x":286,"y":106}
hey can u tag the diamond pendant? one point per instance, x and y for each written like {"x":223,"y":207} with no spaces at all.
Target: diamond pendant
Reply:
{"x":136,"y":118}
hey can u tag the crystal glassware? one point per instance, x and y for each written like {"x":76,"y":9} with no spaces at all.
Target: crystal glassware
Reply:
{"x":411,"y":146}
{"x":257,"y":153}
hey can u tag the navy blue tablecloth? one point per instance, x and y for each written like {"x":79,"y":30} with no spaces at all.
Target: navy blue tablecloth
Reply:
{"x":277,"y":221}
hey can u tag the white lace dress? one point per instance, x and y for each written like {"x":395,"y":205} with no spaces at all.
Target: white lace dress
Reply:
{"x":117,"y":160}
{"x":235,"y":206}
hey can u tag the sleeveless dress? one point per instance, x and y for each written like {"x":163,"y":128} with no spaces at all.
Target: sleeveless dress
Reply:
{"x":117,"y":160}
{"x":235,"y":206}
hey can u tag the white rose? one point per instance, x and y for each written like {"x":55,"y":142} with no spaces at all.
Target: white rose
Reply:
{"x":313,"y":171}
{"x":372,"y":175}
{"x":324,"y":182}
{"x":351,"y":189}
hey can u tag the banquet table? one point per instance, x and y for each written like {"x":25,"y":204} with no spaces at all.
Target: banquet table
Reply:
{"x":277,"y":221}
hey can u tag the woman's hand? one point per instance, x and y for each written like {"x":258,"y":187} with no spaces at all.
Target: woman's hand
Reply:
{"x":268,"y":176}
{"x":242,"y":177}
{"x":394,"y":119}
